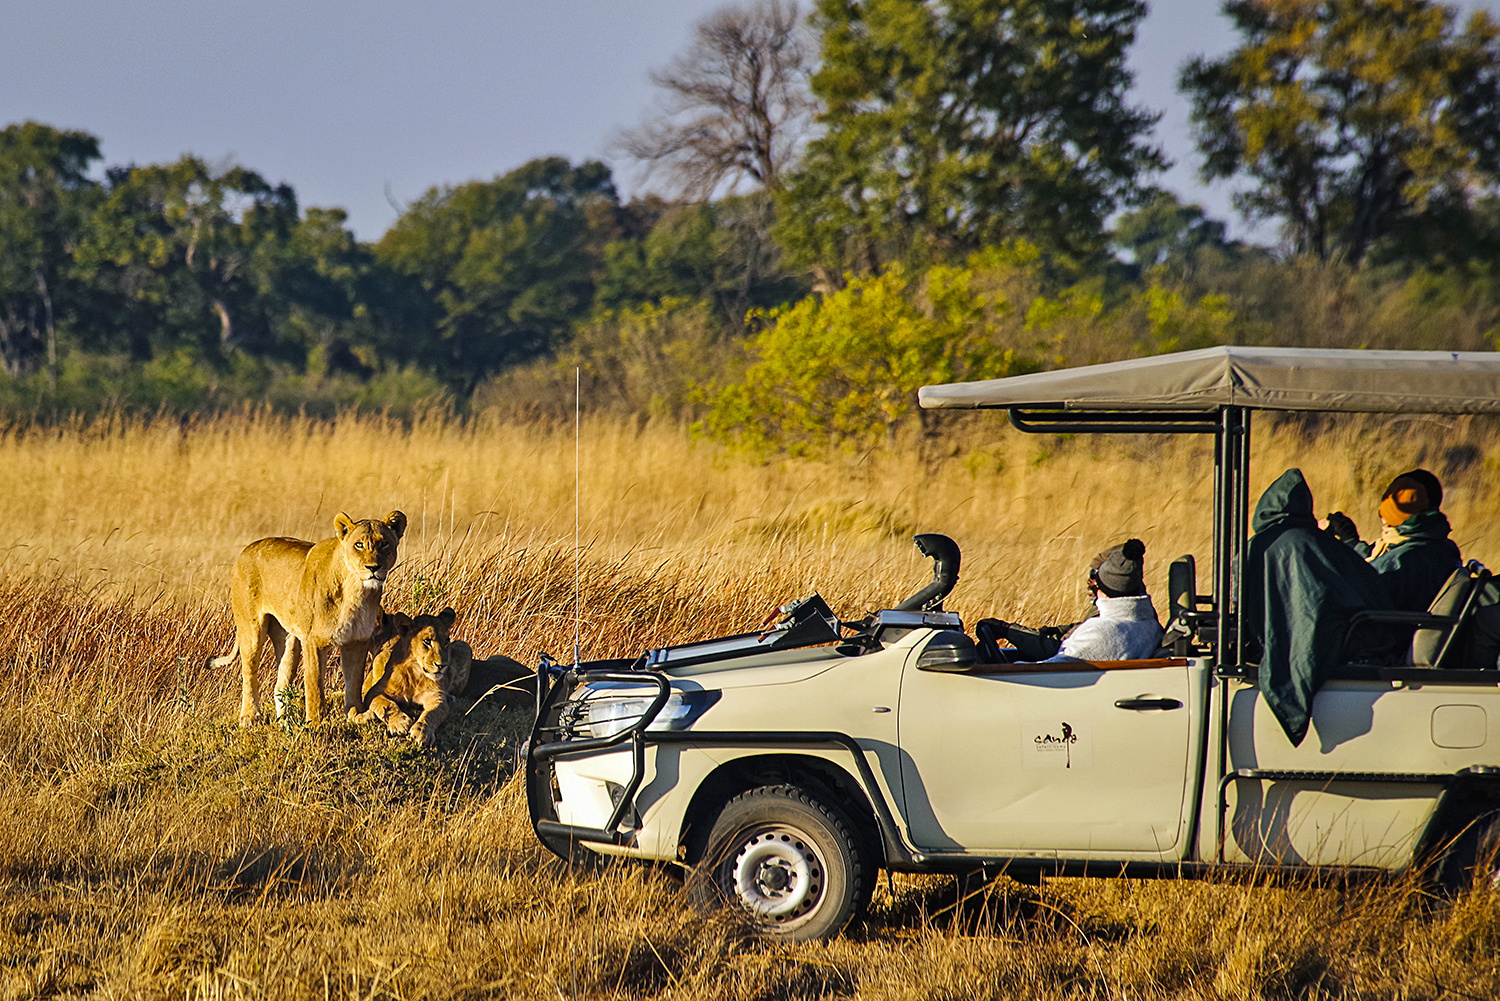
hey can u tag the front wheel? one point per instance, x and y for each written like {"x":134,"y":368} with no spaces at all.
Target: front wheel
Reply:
{"x":793,"y":865}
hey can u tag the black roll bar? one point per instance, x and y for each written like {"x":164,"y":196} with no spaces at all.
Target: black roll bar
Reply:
{"x":1230,"y":426}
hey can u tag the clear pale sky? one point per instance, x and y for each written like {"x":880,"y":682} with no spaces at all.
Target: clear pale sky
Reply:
{"x":346,"y":101}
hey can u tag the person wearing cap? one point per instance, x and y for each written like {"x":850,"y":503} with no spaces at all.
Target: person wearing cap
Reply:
{"x":1414,"y":555}
{"x":1121,"y":626}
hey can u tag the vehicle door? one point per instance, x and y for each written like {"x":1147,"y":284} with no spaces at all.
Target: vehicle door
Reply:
{"x":1048,"y":759}
{"x":1362,"y":785}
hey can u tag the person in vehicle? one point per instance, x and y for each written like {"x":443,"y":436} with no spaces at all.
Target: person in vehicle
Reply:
{"x":1301,"y":588}
{"x":1122,"y":625}
{"x":1413,"y":555}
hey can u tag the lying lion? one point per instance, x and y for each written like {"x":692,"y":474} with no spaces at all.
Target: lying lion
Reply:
{"x":417,"y":670}
{"x":313,"y":596}
{"x":415,"y":673}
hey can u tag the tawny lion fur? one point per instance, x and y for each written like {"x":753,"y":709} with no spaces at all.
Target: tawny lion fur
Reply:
{"x":312,"y":596}
{"x":417,"y":668}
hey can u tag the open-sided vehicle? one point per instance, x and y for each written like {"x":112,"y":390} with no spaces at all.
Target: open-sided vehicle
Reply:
{"x":788,"y":766}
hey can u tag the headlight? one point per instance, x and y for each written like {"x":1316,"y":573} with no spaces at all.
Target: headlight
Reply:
{"x":598,"y":711}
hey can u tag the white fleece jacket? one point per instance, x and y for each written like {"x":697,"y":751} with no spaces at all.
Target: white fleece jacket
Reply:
{"x":1125,"y":629}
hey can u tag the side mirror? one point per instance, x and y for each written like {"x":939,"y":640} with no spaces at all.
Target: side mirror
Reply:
{"x":950,"y":651}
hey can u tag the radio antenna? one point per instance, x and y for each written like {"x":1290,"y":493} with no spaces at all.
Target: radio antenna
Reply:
{"x":577,"y":481}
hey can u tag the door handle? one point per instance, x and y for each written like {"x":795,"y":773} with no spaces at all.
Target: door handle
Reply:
{"x":1147,"y":704}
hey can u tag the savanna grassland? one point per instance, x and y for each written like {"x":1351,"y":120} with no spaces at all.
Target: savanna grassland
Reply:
{"x":150,"y":848}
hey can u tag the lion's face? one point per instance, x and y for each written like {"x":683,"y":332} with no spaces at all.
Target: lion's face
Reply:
{"x":368,"y":547}
{"x":427,"y":641}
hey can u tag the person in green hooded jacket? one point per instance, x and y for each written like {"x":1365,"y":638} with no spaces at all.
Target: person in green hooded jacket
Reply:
{"x":1301,"y":587}
{"x":1413,"y":555}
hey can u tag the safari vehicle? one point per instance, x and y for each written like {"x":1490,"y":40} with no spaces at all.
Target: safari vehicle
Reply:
{"x":785,"y":767}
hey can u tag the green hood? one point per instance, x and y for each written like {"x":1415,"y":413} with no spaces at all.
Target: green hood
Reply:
{"x":1415,"y":567}
{"x":1300,"y":588}
{"x":1287,"y":502}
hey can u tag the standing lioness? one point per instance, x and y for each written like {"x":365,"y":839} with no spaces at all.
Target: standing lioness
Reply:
{"x":314,"y":596}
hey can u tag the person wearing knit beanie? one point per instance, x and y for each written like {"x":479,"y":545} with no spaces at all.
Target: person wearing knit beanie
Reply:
{"x":1429,"y":483}
{"x":1118,"y":571}
{"x":1123,"y":624}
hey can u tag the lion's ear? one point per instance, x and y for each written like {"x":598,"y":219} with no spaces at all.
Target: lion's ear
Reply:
{"x":396,"y":522}
{"x":399,"y":621}
{"x":342,"y":524}
{"x":446,"y":617}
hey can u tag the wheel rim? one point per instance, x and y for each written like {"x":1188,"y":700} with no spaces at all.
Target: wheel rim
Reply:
{"x":777,"y":875}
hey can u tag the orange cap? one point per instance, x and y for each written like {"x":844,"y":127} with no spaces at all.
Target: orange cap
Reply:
{"x":1404,"y":498}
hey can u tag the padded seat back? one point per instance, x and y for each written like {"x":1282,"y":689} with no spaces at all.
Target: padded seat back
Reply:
{"x":1182,"y":596}
{"x":1182,"y":586}
{"x":1430,"y":643}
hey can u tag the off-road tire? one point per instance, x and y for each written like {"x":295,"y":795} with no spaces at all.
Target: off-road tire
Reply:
{"x":792,"y":865}
{"x":1473,"y":861}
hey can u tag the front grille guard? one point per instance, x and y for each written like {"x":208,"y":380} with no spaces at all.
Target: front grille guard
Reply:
{"x":551,"y":678}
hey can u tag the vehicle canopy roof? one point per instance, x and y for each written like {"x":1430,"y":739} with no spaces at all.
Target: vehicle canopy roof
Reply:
{"x":1359,"y":381}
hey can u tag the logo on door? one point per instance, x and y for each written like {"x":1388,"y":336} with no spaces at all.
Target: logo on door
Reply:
{"x":1060,"y":741}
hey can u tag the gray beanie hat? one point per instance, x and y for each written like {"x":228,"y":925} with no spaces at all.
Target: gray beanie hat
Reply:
{"x":1119,"y":570}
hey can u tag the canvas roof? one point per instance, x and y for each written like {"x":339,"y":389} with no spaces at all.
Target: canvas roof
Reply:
{"x":1449,"y":382}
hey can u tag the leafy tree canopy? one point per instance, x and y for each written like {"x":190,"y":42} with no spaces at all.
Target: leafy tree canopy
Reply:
{"x":1356,"y":121}
{"x":845,"y":367}
{"x":510,"y":263}
{"x":956,"y":124}
{"x":338,"y":305}
{"x":45,"y":198}
{"x":182,"y":251}
{"x":1164,"y":233}
{"x":719,"y":251}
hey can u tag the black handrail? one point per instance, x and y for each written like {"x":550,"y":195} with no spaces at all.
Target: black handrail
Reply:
{"x":1057,"y":421}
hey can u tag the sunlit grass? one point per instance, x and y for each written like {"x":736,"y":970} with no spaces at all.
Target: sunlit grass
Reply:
{"x":150,"y":848}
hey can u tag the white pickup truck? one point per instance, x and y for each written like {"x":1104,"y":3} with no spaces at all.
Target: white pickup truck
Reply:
{"x":787,"y":767}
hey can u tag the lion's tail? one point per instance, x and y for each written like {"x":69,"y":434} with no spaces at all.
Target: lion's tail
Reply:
{"x":219,"y":663}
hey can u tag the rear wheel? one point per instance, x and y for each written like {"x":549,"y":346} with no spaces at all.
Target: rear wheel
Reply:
{"x":793,"y":865}
{"x":1474,"y":860}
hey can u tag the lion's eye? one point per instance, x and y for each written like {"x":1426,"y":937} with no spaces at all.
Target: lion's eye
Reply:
{"x":359,"y":545}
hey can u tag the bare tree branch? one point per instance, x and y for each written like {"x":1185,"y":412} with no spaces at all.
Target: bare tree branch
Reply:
{"x":736,"y":107}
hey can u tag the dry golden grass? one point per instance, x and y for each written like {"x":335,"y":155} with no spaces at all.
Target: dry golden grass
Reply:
{"x":149,"y":848}
{"x":162,"y":507}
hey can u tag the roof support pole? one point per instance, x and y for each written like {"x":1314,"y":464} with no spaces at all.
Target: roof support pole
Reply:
{"x":1231,"y":518}
{"x":1231,"y":521}
{"x":1241,"y":530}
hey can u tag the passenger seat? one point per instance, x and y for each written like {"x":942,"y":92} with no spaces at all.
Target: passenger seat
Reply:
{"x":1444,"y":636}
{"x":1436,"y":644}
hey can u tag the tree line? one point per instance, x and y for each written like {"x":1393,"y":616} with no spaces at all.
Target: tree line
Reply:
{"x":871,"y":195}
